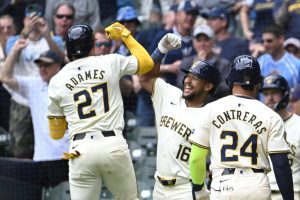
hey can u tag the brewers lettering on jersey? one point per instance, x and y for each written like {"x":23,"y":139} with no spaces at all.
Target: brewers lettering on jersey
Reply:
{"x":86,"y":95}
{"x":241,"y":133}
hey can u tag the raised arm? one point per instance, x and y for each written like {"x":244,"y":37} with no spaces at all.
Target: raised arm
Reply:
{"x":117,"y":31}
{"x":169,"y":42}
{"x":6,"y":75}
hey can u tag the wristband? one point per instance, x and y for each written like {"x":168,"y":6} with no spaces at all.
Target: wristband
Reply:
{"x":197,"y":187}
{"x":24,"y":34}
{"x":157,"y":56}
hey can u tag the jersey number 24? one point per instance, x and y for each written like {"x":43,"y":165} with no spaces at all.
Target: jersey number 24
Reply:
{"x":251,"y":141}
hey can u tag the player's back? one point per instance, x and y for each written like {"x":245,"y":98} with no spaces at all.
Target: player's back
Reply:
{"x":243,"y":131}
{"x":88,"y":92}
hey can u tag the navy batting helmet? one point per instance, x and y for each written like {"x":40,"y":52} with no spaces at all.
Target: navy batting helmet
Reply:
{"x":245,"y":71}
{"x":206,"y":71}
{"x":79,"y":40}
{"x":277,"y":82}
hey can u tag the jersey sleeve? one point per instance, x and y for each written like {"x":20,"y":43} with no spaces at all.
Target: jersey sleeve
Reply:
{"x":277,"y":138}
{"x":164,"y":93}
{"x":158,"y":93}
{"x":201,"y":134}
{"x":127,"y":65}
{"x":53,"y":102}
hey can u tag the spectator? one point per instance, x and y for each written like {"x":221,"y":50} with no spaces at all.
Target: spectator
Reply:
{"x":7,"y":29}
{"x":35,"y":89}
{"x":203,"y":42}
{"x":7,"y":26}
{"x":217,"y":19}
{"x":263,"y":10}
{"x":15,"y":7}
{"x":169,"y":17}
{"x":128,"y":17}
{"x":185,"y":18}
{"x":288,"y":16}
{"x":39,"y":40}
{"x":292,"y":45}
{"x":233,"y":7}
{"x":277,"y":60}
{"x":63,"y":18}
{"x":295,"y":100}
{"x":103,"y":45}
{"x":87,"y":12}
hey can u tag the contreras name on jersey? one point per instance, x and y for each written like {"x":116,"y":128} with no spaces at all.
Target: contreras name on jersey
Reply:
{"x":239,"y":115}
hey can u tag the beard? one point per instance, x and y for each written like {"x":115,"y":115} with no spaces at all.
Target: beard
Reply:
{"x":190,"y":96}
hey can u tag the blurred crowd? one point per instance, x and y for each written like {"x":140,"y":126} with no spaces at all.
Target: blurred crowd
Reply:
{"x":32,"y":51}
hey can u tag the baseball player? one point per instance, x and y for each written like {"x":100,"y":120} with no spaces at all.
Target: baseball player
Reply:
{"x":240,"y":133}
{"x":276,"y":94}
{"x":85,"y":95}
{"x":175,"y":112}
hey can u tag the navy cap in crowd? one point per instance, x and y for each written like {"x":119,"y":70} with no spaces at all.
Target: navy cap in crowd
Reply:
{"x":295,"y":96}
{"x":48,"y":57}
{"x":127,"y":13}
{"x":173,"y":7}
{"x":219,"y":12}
{"x":187,"y":6}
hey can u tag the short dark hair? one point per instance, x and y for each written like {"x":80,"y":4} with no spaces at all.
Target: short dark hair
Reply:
{"x":274,"y":29}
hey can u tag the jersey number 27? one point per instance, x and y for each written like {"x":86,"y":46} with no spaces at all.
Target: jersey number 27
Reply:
{"x":88,"y":100}
{"x":251,"y":141}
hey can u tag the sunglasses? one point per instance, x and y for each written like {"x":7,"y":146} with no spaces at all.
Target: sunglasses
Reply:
{"x":6,"y":27}
{"x":268,"y":40}
{"x":64,"y":16}
{"x":100,"y":44}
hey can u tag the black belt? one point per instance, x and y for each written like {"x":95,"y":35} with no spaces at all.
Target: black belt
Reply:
{"x":275,"y":192}
{"x":80,"y":136}
{"x":228,"y":171}
{"x":165,"y":182}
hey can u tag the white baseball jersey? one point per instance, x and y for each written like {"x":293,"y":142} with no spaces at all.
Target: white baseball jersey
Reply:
{"x":293,"y":139}
{"x":240,"y":132}
{"x":173,"y":122}
{"x":87,"y":92}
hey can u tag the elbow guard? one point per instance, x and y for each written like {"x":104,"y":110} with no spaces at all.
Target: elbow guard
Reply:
{"x":57,"y":127}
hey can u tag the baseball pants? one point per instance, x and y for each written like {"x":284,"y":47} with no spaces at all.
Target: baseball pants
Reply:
{"x":239,"y":183}
{"x":102,"y":159}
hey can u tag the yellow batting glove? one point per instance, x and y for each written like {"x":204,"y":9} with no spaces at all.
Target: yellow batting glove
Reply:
{"x":68,"y":156}
{"x":116,"y":31}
